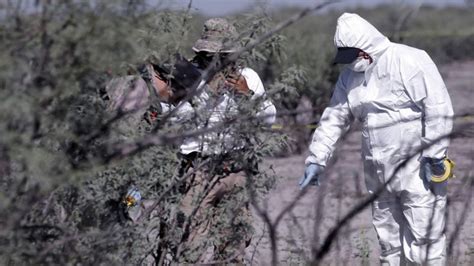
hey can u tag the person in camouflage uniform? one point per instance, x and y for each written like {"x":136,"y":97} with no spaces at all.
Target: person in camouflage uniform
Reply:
{"x":140,"y":100}
{"x":218,"y":190}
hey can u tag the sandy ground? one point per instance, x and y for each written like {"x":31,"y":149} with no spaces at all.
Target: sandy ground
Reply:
{"x":306,"y":226}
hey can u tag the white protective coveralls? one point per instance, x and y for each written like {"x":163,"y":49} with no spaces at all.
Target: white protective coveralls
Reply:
{"x":226,"y":106}
{"x":403,"y":103}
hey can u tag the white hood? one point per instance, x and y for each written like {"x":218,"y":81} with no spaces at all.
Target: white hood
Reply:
{"x":354,"y":31}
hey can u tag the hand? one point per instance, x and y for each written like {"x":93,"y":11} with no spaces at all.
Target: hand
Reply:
{"x":432,"y":167}
{"x":238,"y":83}
{"x":133,"y":197}
{"x":312,"y":174}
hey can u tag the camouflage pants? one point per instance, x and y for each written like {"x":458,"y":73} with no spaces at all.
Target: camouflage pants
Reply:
{"x":219,"y":224}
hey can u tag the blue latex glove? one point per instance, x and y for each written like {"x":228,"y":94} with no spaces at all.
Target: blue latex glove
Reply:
{"x":133,"y":197}
{"x":432,"y":166}
{"x":312,"y":174}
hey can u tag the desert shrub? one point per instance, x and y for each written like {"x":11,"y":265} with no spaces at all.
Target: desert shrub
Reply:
{"x":67,"y":160}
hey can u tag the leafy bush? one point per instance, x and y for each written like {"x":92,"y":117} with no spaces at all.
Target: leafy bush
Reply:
{"x":67,"y":160}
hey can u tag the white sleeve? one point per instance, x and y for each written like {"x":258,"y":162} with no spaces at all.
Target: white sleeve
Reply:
{"x":334,"y":122}
{"x":267,"y":110}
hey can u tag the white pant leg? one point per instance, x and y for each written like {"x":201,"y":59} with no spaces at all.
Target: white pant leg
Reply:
{"x":424,"y":212}
{"x":387,"y":220}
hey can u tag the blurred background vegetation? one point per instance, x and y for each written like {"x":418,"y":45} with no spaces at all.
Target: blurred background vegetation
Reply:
{"x":56,"y":57}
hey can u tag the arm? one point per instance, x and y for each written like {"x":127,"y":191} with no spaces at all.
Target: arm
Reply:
{"x":427,"y":89}
{"x":334,"y":122}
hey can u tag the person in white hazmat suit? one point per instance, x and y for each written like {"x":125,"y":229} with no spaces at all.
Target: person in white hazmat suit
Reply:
{"x":400,"y":98}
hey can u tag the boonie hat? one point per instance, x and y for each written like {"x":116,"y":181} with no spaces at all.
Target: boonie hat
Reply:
{"x":218,"y":36}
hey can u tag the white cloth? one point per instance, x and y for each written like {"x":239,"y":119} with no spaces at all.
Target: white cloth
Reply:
{"x":403,"y":104}
{"x":214,"y":110}
{"x":267,"y":111}
{"x":182,"y":114}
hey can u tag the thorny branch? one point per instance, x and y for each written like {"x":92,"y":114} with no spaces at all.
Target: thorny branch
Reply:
{"x":214,"y":67}
{"x":208,"y":73}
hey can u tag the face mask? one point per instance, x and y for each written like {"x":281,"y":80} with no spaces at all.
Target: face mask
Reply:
{"x":359,"y":65}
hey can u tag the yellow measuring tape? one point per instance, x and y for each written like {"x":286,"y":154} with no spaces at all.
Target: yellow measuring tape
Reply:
{"x":448,"y":173}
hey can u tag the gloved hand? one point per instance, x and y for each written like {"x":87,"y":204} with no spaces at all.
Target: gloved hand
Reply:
{"x":312,"y":174}
{"x":133,"y":197}
{"x":433,"y":169}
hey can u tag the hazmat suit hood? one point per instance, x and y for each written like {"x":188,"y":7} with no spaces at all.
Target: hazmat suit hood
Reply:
{"x":354,"y":31}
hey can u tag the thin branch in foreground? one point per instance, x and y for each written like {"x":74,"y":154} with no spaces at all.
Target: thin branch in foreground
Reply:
{"x":214,"y":68}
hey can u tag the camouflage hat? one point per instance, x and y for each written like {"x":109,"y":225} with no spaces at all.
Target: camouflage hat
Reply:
{"x":218,"y":35}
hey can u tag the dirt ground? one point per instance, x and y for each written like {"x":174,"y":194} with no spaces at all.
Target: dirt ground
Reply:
{"x":306,"y":226}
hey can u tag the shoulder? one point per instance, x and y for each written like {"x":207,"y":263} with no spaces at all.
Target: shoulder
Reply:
{"x":250,"y":75}
{"x":410,"y":59}
{"x":127,"y":93}
{"x":121,"y":84}
{"x":247,"y":71}
{"x":403,"y":49}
